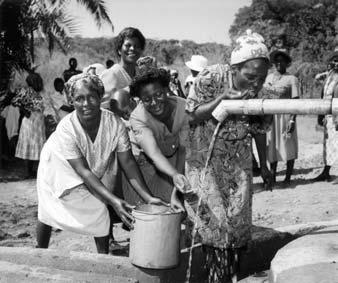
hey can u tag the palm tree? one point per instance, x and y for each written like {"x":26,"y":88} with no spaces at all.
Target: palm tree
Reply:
{"x":22,"y":20}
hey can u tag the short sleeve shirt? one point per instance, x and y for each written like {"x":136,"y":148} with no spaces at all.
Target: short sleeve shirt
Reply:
{"x":143,"y":125}
{"x":70,"y":141}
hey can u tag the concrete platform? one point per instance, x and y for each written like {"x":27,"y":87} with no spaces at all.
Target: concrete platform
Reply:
{"x":41,"y":265}
{"x":309,"y":259}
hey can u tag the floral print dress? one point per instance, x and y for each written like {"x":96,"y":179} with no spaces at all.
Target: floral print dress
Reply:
{"x":224,"y":218}
{"x":32,"y":134}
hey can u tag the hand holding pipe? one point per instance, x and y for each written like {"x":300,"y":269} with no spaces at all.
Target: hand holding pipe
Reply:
{"x":275,"y":106}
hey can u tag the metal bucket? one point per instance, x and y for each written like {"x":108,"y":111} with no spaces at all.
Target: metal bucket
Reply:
{"x":155,"y":239}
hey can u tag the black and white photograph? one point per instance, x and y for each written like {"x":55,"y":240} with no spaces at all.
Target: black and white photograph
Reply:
{"x":157,"y":141}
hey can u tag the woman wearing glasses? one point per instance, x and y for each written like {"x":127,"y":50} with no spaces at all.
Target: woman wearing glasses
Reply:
{"x":160,"y":125}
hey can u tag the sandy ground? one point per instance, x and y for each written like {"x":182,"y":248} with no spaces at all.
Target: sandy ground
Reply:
{"x":302,"y":202}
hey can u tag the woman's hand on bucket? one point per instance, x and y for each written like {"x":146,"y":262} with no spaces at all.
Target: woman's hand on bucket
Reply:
{"x":123,"y":209}
{"x":181,"y":183}
{"x":157,"y":201}
{"x":175,"y":202}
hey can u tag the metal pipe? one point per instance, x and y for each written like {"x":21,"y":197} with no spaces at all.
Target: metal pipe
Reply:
{"x":275,"y":106}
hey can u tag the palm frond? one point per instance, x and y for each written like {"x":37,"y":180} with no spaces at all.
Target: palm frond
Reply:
{"x":99,"y":10}
{"x":21,"y":19}
{"x":55,"y":25}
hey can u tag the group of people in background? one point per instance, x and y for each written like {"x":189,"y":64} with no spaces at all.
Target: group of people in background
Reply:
{"x":129,"y":133}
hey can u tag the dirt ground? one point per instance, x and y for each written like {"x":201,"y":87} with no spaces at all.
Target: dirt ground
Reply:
{"x":302,"y":202}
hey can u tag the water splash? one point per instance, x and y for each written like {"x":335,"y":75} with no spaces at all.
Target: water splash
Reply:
{"x":199,"y":193}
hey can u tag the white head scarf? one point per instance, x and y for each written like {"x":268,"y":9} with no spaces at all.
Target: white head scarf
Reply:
{"x":99,"y":68}
{"x":249,"y":46}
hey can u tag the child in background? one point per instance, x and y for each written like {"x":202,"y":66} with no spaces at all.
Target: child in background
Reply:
{"x":122,"y":105}
{"x":61,"y":104}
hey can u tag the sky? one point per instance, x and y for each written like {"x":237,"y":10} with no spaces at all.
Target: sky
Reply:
{"x":197,"y":20}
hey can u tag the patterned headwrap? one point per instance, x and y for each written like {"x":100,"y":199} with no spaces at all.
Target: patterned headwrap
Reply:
{"x":147,"y":62}
{"x":91,"y":80}
{"x":247,"y":47}
{"x":99,"y":68}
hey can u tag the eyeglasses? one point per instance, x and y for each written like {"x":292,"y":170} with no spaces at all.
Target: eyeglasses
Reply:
{"x":155,"y":97}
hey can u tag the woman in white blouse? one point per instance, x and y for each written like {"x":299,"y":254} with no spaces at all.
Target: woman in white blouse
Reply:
{"x":78,"y":167}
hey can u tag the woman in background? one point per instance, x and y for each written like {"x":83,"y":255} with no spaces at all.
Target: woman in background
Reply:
{"x":282,"y":139}
{"x":32,"y":131}
{"x":130,"y":44}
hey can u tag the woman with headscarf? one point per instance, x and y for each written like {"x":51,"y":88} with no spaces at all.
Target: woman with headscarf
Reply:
{"x":160,"y":126}
{"x":282,"y":139}
{"x":32,"y":131}
{"x":224,"y":217}
{"x":130,"y":44}
{"x":78,"y":165}
{"x":146,"y":62}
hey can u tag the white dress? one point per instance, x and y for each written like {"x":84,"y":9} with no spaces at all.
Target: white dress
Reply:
{"x":114,"y":78}
{"x":282,"y":147}
{"x":64,"y":200}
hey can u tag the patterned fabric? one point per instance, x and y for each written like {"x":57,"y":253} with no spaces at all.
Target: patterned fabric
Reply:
{"x":221,"y":264}
{"x":28,"y":99}
{"x":98,"y":68}
{"x":224,"y":217}
{"x":64,"y":201}
{"x":330,"y":148}
{"x":113,"y":79}
{"x":171,"y":143}
{"x":217,"y":265}
{"x":147,"y":62}
{"x":31,"y":137}
{"x":247,"y":47}
{"x":93,"y":79}
{"x":280,"y":146}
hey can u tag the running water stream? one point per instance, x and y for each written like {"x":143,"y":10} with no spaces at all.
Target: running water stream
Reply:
{"x":199,"y":194}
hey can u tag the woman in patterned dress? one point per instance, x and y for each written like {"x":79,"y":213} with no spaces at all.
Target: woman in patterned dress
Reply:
{"x":224,"y":218}
{"x":78,"y":168}
{"x":32,"y":131}
{"x":282,"y":139}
